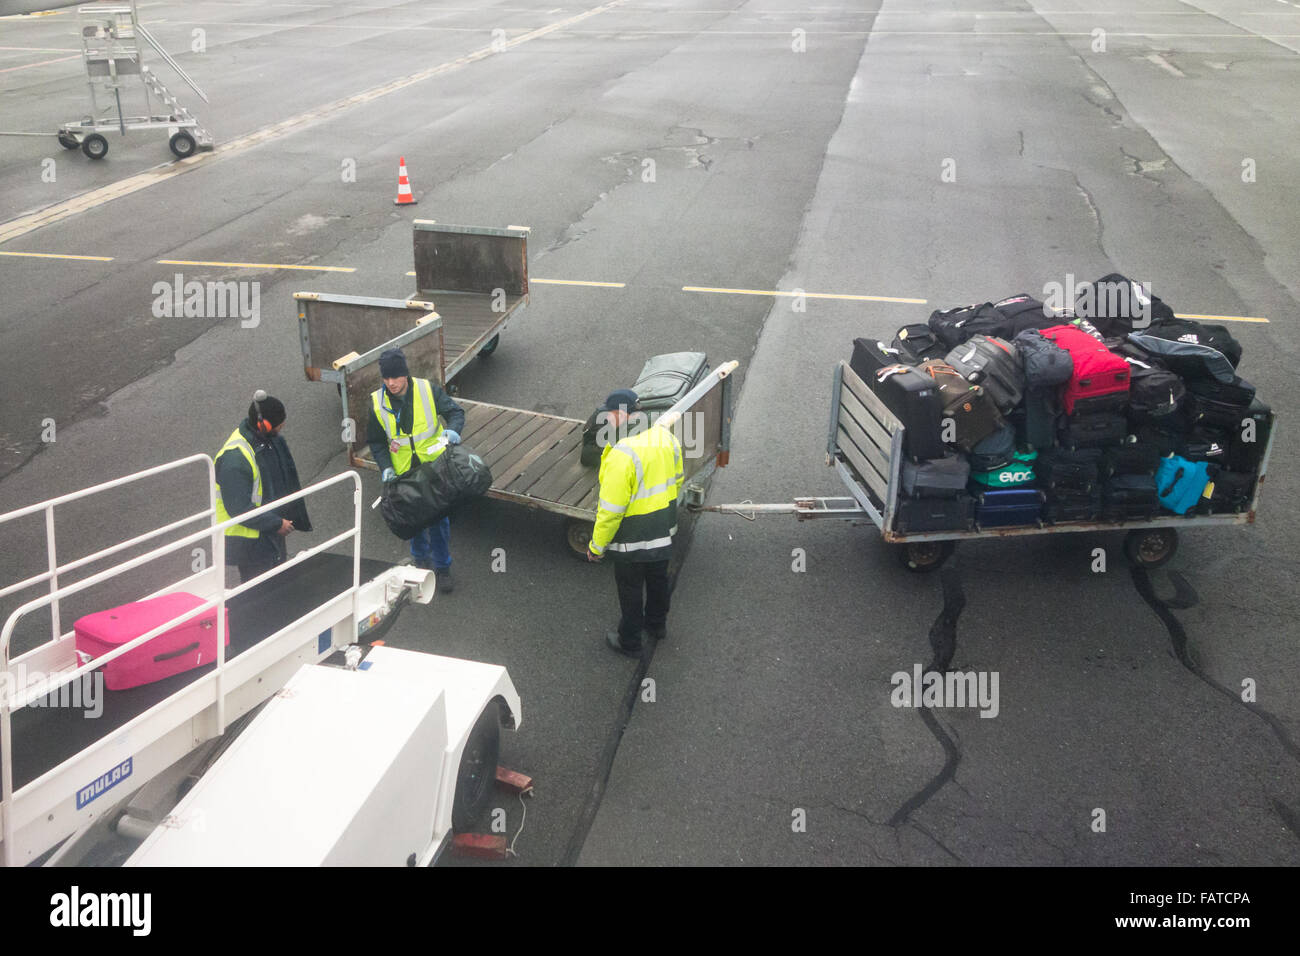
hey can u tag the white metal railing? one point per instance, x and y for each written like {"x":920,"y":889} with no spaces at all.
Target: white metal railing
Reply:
{"x":9,"y":694}
{"x":54,"y":569}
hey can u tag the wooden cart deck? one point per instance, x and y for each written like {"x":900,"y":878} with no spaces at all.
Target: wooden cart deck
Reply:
{"x":535,"y":458}
{"x":469,"y":322}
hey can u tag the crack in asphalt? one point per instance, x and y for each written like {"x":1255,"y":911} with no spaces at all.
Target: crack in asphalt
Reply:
{"x":943,"y":641}
{"x":1179,"y":640}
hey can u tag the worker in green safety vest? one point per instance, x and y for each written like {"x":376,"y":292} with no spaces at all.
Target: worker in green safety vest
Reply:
{"x":636,"y":518}
{"x":404,"y":430}
{"x":254,"y":467}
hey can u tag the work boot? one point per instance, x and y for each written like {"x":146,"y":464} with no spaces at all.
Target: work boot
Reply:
{"x":615,"y":640}
{"x":445,"y":583}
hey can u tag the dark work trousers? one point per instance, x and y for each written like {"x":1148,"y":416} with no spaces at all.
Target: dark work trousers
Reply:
{"x":254,"y":556}
{"x":642,"y":597}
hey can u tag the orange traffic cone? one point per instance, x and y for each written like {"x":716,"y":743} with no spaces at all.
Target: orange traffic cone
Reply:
{"x":404,"y":195}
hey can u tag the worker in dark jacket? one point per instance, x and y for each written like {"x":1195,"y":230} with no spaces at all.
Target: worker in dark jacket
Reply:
{"x":254,"y":467}
{"x":404,"y":430}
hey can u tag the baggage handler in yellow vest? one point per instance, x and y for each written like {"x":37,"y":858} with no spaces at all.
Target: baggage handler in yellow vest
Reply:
{"x":403,"y":431}
{"x":636,"y":518}
{"x":254,"y":467}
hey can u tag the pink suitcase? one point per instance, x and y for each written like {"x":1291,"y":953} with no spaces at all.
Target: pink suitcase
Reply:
{"x":185,"y":647}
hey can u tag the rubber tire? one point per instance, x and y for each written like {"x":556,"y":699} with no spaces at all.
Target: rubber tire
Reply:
{"x":925,"y":556}
{"x":1138,"y":547}
{"x":180,"y":139}
{"x":490,"y":346}
{"x":477,"y":773}
{"x":577,"y":535}
{"x":95,"y":146}
{"x":68,"y":141}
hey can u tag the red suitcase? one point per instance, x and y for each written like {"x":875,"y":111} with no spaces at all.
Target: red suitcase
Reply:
{"x":186,"y":646}
{"x":1097,"y":370}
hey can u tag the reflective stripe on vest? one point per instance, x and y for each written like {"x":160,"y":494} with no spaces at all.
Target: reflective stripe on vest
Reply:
{"x":237,"y":442}
{"x":424,"y":437}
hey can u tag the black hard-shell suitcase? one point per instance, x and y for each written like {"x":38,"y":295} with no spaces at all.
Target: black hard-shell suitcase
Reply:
{"x":994,"y":364}
{"x":913,"y":515}
{"x":917,"y":402}
{"x":870,"y":356}
{"x":1006,"y":507}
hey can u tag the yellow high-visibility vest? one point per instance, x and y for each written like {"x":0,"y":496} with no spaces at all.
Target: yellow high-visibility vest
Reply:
{"x":238,"y":441}
{"x":426,"y":430}
{"x":640,"y":476}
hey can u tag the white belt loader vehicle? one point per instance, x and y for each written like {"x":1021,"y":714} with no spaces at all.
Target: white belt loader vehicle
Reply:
{"x":237,"y":761}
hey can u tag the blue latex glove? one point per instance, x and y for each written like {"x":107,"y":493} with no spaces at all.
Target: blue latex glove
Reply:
{"x":389,"y":475}
{"x":453,"y":438}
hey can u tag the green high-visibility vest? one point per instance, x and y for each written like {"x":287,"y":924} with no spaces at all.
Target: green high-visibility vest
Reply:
{"x":238,"y":441}
{"x":426,"y":430}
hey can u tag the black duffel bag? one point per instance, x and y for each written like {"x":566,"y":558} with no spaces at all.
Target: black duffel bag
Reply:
{"x":432,"y":490}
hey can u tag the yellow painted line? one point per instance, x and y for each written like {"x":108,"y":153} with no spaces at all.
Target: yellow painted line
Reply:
{"x":602,"y":285}
{"x":54,"y":255}
{"x":29,"y":66}
{"x":252,"y":265}
{"x":151,"y":177}
{"x":1222,"y":318}
{"x":807,"y":295}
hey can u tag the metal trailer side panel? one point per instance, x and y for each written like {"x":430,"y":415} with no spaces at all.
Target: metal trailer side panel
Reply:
{"x":470,"y":259}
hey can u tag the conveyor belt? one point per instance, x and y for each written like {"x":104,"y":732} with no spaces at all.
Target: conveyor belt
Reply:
{"x":44,"y":737}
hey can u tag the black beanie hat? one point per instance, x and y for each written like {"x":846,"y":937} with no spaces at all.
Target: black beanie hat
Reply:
{"x":272,"y":412}
{"x":392,"y":364}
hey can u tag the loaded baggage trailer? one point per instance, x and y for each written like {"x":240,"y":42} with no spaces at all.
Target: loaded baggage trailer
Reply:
{"x":865,"y":447}
{"x":72,"y":785}
{"x":535,"y":457}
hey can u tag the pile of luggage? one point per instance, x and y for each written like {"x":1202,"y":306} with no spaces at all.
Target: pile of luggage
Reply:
{"x":1018,"y":415}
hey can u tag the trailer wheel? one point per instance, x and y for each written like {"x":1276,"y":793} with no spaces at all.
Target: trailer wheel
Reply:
{"x":95,"y":146}
{"x":925,"y":556}
{"x":490,"y":346}
{"x":478,"y":770}
{"x":68,"y":141}
{"x":182,"y":144}
{"x":577,"y":535}
{"x":1151,"y":547}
